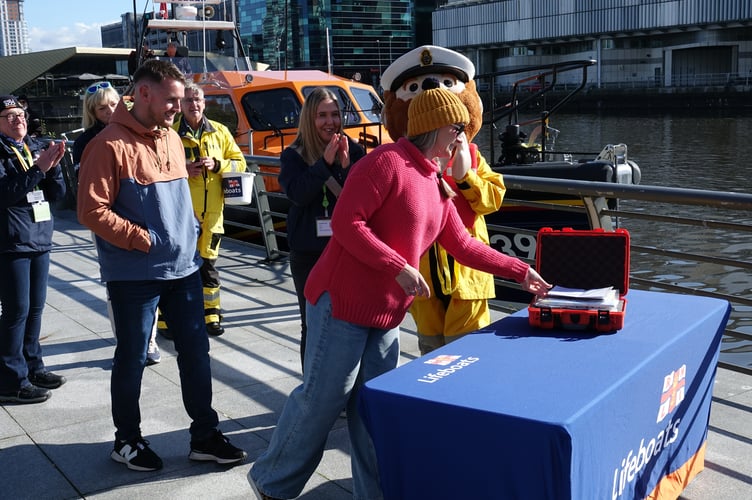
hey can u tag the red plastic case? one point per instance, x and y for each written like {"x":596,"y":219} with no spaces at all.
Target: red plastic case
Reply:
{"x":584,"y":259}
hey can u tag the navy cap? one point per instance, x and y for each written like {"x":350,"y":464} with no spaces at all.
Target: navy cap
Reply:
{"x":9,"y":102}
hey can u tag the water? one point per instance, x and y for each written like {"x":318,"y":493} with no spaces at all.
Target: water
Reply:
{"x":686,"y":151}
{"x":676,"y":151}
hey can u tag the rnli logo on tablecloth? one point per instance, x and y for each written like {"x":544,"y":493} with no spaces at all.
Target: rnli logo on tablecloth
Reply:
{"x":451,"y":363}
{"x":443,"y":360}
{"x":673,"y":392}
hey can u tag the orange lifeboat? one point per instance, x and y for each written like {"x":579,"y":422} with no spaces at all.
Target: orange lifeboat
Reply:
{"x":261,"y":108}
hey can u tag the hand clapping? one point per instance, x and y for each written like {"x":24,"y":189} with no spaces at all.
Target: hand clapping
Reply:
{"x":338,"y":148}
{"x":51,"y":156}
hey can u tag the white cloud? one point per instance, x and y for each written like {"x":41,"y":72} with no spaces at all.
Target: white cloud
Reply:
{"x":78,"y":35}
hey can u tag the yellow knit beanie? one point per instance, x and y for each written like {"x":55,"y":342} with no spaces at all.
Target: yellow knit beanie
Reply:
{"x":434,"y":108}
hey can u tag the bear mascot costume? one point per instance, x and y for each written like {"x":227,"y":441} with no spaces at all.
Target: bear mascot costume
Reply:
{"x":459,"y":295}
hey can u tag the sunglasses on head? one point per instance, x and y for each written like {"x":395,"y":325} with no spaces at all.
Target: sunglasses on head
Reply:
{"x":458,"y":128}
{"x":97,"y":86}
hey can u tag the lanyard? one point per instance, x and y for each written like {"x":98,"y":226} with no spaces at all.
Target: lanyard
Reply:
{"x":26,"y":162}
{"x":325,"y":202}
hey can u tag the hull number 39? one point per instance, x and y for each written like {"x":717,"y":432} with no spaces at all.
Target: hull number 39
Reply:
{"x":514,"y":244}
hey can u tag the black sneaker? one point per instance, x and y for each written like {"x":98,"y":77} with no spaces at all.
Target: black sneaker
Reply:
{"x":136,"y":454}
{"x":214,"y":329}
{"x":45,"y":379}
{"x":26,"y":395}
{"x":216,"y":448}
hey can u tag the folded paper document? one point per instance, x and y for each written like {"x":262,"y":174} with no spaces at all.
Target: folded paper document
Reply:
{"x":576,"y":298}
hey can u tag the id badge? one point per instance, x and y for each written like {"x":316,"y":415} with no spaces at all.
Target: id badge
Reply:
{"x":323,"y":227}
{"x":41,"y":211}
{"x":35,"y":196}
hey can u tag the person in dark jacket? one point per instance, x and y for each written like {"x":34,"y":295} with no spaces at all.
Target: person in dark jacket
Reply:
{"x":30,"y":179}
{"x":100,"y":102}
{"x":314,"y":168}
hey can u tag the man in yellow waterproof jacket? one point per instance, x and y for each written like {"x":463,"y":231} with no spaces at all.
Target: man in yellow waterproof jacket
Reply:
{"x":210,"y":150}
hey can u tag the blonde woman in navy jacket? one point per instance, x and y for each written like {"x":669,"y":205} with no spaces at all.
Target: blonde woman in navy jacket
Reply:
{"x":29,"y":180}
{"x":314,"y":169}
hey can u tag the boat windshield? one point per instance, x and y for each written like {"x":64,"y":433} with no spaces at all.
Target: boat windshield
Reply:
{"x":273,"y":109}
{"x":366,"y":103}
{"x":369,"y":103}
{"x":349,"y":110}
{"x":219,"y":107}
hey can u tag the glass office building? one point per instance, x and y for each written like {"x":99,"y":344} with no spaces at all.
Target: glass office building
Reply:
{"x":354,"y":38}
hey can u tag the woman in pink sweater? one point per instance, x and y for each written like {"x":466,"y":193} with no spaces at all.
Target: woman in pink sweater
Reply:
{"x":393,"y":207}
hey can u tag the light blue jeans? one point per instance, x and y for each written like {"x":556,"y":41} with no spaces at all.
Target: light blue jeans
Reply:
{"x":339,"y":358}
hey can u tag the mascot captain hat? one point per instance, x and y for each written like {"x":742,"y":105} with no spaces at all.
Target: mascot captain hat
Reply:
{"x":423,"y":60}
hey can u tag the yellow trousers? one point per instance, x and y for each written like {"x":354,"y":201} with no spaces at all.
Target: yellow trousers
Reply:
{"x":438,"y":326}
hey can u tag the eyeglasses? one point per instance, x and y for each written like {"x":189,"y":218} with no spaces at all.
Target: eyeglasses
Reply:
{"x":458,"y":128}
{"x":14,"y":117}
{"x":97,"y":86}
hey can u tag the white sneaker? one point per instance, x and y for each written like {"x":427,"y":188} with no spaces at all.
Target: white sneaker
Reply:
{"x":152,"y":353}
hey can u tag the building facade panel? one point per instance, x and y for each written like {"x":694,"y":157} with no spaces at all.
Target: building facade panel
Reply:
{"x":576,"y":18}
{"x":633,"y":40}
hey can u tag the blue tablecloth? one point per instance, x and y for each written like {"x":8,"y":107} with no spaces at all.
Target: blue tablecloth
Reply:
{"x":514,"y":412}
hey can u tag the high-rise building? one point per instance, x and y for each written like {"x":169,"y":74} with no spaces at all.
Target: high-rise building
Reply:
{"x":353,"y":38}
{"x":14,"y":35}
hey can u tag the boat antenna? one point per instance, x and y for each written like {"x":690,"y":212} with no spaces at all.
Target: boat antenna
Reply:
{"x":203,"y":31}
{"x":135,"y":24}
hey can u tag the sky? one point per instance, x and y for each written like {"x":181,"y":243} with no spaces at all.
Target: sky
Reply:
{"x":77,"y":24}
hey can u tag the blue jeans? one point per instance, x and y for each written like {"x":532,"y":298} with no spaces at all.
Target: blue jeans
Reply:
{"x":23,"y":292}
{"x":339,"y":358}
{"x":134,"y":305}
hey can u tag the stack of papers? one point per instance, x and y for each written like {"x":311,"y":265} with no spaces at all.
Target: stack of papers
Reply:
{"x":576,"y":298}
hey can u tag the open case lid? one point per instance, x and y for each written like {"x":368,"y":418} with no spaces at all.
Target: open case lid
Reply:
{"x":584,"y":258}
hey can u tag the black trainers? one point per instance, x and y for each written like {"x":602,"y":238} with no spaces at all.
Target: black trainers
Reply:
{"x":216,"y":448}
{"x":26,"y":395}
{"x":136,"y":455}
{"x":214,"y":329}
{"x":45,"y":379}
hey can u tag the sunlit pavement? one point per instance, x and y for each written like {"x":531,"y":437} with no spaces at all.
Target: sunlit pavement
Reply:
{"x":60,"y":449}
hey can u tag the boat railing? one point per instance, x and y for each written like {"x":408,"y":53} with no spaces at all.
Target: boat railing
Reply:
{"x":537,"y":81}
{"x":675,"y":265}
